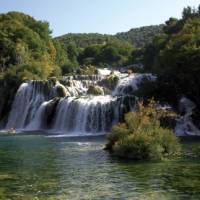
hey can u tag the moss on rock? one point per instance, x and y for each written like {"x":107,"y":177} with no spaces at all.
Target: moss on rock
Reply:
{"x":110,"y":81}
{"x":95,"y":90}
{"x":61,"y":91}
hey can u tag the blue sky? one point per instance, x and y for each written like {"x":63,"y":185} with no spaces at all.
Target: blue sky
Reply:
{"x":102,"y":16}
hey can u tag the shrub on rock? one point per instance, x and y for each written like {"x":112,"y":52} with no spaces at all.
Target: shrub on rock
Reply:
{"x":141,"y":137}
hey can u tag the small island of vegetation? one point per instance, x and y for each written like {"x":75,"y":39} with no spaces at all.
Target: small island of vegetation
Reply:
{"x":141,"y":136}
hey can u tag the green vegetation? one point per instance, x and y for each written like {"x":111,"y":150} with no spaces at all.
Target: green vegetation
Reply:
{"x":175,"y":58}
{"x":105,"y":50}
{"x":83,"y":40}
{"x":142,"y":137}
{"x":87,"y":70}
{"x":142,"y":180}
{"x":110,"y":81}
{"x":170,"y":51}
{"x":139,"y":37}
{"x":110,"y":54}
{"x":26,"y":47}
{"x":27,"y":51}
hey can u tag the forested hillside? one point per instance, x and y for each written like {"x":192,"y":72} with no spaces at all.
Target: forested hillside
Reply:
{"x":82,"y":40}
{"x":106,"y":50}
{"x":115,"y":54}
{"x":139,"y":37}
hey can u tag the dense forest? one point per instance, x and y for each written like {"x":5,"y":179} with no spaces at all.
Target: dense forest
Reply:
{"x":27,"y":51}
{"x":82,"y":40}
{"x":139,"y":37}
{"x":26,"y":47}
{"x":174,"y":56}
{"x":105,"y":50}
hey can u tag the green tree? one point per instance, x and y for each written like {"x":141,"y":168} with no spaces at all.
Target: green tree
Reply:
{"x":27,"y":51}
{"x":175,"y":58}
{"x":187,"y":12}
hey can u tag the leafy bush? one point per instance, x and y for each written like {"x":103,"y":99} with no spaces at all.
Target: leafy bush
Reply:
{"x":87,"y":70}
{"x":141,"y":136}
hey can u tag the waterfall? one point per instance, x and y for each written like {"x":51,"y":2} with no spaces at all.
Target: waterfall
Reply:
{"x":37,"y":122}
{"x":129,"y":83}
{"x":185,"y":125}
{"x":64,"y":105}
{"x":26,"y":103}
{"x":91,"y":114}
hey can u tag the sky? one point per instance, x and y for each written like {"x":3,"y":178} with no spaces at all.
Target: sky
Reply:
{"x":98,"y":16}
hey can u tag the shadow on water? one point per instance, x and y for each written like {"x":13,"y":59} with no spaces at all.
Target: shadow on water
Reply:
{"x":40,"y":167}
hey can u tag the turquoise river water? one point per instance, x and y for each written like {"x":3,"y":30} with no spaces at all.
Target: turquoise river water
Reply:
{"x":39,"y":167}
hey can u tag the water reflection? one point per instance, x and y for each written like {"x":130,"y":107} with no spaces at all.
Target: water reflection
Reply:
{"x":78,"y":168}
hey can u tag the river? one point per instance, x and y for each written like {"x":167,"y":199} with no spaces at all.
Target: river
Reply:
{"x":41,"y":167}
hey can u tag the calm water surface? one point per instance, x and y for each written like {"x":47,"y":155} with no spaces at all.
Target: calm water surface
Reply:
{"x":39,"y":167}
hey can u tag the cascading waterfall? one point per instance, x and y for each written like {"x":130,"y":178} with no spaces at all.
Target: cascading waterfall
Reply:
{"x":129,"y":83}
{"x":28,"y":99}
{"x":89,"y":115}
{"x":63,"y":105}
{"x":185,"y":125}
{"x":37,"y":122}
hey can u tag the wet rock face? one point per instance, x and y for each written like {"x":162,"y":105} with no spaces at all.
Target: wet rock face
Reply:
{"x":185,"y":125}
{"x":110,"y":81}
{"x":186,"y":106}
{"x":60,"y":91}
{"x":50,"y":110}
